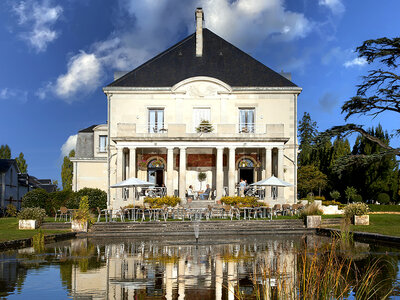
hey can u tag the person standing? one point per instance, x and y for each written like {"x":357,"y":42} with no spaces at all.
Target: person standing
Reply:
{"x":242,"y":185}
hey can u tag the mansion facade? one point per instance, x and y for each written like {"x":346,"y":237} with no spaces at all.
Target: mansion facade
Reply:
{"x":201,"y":106}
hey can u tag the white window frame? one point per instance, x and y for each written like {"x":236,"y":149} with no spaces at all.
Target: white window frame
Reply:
{"x":247,"y":127}
{"x":105,"y":144}
{"x":158,"y":126}
{"x":196,"y":123}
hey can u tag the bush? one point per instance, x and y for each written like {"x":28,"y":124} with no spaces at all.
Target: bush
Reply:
{"x":83,"y":213}
{"x":36,"y":198}
{"x":383,"y":198}
{"x":385,"y":208}
{"x":358,"y":198}
{"x":319,"y":198}
{"x":96,"y":198}
{"x":240,"y":201}
{"x":163,"y":201}
{"x":310,"y":210}
{"x":335,"y":195}
{"x":32,"y":213}
{"x":11,"y":210}
{"x":326,"y":203}
{"x":63,"y":198}
{"x":355,"y":209}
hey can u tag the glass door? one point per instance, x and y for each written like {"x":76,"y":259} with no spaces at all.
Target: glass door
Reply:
{"x":156,"y":120}
{"x":246,"y":120}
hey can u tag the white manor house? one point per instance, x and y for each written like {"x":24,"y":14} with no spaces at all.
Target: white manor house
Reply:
{"x":248,"y":114}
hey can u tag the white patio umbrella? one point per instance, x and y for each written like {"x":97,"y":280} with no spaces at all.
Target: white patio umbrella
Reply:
{"x":133,"y":182}
{"x":272,"y":181}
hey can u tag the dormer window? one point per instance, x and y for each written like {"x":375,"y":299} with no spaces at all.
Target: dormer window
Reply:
{"x":102,"y":143}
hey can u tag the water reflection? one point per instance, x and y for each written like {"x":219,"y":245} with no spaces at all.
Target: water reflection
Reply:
{"x":170,"y":269}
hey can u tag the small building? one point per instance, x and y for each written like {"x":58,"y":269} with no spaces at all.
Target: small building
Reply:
{"x":9,"y":193}
{"x":201,"y":106}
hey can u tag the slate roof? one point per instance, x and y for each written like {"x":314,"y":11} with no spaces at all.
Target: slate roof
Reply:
{"x":5,"y":164}
{"x":220,"y":60}
{"x":89,"y":129}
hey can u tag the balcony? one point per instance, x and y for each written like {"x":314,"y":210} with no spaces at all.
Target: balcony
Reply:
{"x":172,"y":130}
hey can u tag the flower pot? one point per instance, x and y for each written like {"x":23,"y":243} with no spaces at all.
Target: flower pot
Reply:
{"x":28,"y":224}
{"x":79,"y":226}
{"x":313,"y":221}
{"x":361,"y":220}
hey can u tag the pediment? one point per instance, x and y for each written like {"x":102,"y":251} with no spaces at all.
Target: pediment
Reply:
{"x":201,"y":87}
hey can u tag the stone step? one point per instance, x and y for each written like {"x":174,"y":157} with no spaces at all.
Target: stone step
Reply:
{"x":204,"y":233}
{"x":56,"y":225}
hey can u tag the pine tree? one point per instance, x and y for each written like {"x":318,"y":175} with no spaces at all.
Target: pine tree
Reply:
{"x":5,"y":152}
{"x":22,"y":165}
{"x":307,"y":133}
{"x":67,"y":172}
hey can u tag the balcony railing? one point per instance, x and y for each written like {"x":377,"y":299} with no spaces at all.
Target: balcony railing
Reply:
{"x":178,"y":130}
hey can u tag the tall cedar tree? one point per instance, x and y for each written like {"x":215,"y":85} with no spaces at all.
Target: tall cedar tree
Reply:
{"x":378,"y":93}
{"x":22,"y":165}
{"x":67,"y":171}
{"x":5,"y":152}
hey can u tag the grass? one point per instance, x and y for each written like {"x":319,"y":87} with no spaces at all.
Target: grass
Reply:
{"x":383,"y":224}
{"x":9,"y":230}
{"x":384,"y":208}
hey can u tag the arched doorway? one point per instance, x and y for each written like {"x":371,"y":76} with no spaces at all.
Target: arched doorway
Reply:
{"x":155,"y":172}
{"x":246,"y":170}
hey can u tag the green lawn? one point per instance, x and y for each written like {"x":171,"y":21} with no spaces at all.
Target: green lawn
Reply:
{"x":383,"y":224}
{"x":9,"y":230}
{"x":385,"y":208}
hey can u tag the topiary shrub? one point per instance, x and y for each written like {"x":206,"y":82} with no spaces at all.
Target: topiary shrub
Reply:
{"x":335,"y":195}
{"x":32,"y":213}
{"x":96,"y":197}
{"x":36,"y":198}
{"x":11,"y":210}
{"x":383,"y":198}
{"x":83,"y":213}
{"x":355,"y":209}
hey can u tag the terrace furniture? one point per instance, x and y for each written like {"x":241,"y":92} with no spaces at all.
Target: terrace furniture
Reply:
{"x":63,"y":213}
{"x":277,"y":209}
{"x":102,"y":212}
{"x":286,"y":209}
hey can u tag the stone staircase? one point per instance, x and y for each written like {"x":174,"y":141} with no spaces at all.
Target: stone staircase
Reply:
{"x":211,"y":228}
{"x":331,"y":222}
{"x":56,"y":226}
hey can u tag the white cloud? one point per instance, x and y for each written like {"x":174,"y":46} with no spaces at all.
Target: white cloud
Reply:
{"x":38,"y":19}
{"x":69,"y":145}
{"x":13,"y":94}
{"x":358,"y":61}
{"x":144,"y":28}
{"x":336,"y":6}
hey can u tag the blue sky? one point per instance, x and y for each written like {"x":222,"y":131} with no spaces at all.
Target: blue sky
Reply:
{"x":57,"y":55}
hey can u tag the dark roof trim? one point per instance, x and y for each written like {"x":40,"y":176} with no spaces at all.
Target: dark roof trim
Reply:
{"x":89,"y":129}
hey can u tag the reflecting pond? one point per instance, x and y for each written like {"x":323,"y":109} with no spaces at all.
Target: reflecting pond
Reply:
{"x":219,"y":268}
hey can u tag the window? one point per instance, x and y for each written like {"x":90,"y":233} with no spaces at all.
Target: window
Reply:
{"x":156,"y":120}
{"x":246,"y":120}
{"x":201,"y":114}
{"x":103,"y":143}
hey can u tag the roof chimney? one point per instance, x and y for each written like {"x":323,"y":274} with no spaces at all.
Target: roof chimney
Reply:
{"x":199,"y":31}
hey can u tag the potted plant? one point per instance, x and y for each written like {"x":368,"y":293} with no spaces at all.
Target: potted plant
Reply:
{"x":201,"y":177}
{"x":31,"y":217}
{"x":311,"y":214}
{"x":82,"y":218}
{"x":357,"y":213}
{"x":204,"y":127}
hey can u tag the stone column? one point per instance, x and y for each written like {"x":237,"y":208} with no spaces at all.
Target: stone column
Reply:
{"x":268,"y":171}
{"x":182,"y":172}
{"x":119,"y":172}
{"x":132,"y":169}
{"x":220,"y":172}
{"x":231,"y":172}
{"x":170,"y":171}
{"x":281,"y":194}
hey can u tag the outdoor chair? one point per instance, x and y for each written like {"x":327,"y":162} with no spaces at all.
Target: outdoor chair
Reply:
{"x":295,"y":209}
{"x":286,"y":209}
{"x":55,"y":214}
{"x":63,"y":213}
{"x":277,"y":209}
{"x":101,"y":212}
